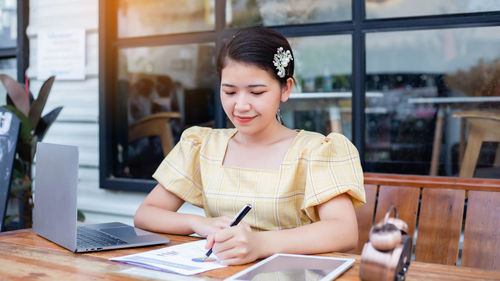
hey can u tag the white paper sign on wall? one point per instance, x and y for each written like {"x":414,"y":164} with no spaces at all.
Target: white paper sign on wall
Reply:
{"x":61,"y":53}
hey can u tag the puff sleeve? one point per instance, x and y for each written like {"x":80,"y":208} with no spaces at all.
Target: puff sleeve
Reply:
{"x":179,"y":172}
{"x":333,"y":168}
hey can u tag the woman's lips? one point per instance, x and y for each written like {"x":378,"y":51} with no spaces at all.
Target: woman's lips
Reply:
{"x":243,"y":119}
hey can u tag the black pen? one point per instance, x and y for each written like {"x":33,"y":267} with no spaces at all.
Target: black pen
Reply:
{"x":241,"y":214}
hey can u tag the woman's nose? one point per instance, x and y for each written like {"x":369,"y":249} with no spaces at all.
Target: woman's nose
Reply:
{"x":242,"y":103}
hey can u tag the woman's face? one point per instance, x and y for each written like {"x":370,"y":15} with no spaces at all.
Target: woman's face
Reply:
{"x":250,"y":96}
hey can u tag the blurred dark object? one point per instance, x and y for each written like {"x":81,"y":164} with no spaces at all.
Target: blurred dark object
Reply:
{"x":154,"y":123}
{"x":9,"y":133}
{"x":199,"y":107}
{"x":157,"y":124}
{"x":387,"y":253}
{"x":33,"y":129}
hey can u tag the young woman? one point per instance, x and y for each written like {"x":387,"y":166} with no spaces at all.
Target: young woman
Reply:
{"x":302,"y":185}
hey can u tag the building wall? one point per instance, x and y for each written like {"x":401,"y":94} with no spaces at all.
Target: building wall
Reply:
{"x":78,"y":122}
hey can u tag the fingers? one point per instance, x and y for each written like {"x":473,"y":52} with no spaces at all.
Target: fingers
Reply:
{"x":229,"y":252}
{"x":221,"y":222}
{"x":224,"y":234}
{"x":236,"y":261}
{"x":210,"y":241}
{"x":245,"y":225}
{"x":236,"y":257}
{"x":227,"y":220}
{"x":206,"y":226}
{"x":233,"y":245}
{"x":232,"y":252}
{"x":216,"y":240}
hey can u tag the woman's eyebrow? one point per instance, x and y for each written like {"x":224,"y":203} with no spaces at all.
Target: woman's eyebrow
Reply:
{"x":249,"y":86}
{"x":256,"y":85}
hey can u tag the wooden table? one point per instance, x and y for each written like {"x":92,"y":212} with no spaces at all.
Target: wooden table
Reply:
{"x":26,"y":256}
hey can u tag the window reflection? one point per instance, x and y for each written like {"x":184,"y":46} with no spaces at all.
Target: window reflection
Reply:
{"x":411,"y":8}
{"x":155,"y":17}
{"x":426,"y":77}
{"x":321,"y":98}
{"x":160,"y":92}
{"x":9,"y":67}
{"x":282,"y":12}
{"x":8,"y":23}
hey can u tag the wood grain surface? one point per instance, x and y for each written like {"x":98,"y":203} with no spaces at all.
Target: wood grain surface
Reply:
{"x":406,"y":201}
{"x":481,"y":246}
{"x":439,"y":226}
{"x":364,"y":215}
{"x":26,"y":256}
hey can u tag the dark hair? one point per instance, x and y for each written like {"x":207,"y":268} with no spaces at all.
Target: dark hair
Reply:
{"x":256,"y":46}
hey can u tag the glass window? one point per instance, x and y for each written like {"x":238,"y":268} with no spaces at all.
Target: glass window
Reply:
{"x":155,"y":17}
{"x":8,"y":23}
{"x":269,"y":12}
{"x":9,"y":67}
{"x":321,"y":98}
{"x":426,"y":77}
{"x":410,"y":8}
{"x":152,"y":81}
{"x":418,"y":77}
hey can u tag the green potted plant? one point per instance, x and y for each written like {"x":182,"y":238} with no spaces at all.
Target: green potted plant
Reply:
{"x":33,"y":129}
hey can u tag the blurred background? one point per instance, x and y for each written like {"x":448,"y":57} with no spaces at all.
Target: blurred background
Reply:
{"x":399,"y":78}
{"x":412,"y":72}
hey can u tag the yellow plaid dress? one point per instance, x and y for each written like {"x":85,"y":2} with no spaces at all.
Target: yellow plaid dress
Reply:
{"x":315,"y":169}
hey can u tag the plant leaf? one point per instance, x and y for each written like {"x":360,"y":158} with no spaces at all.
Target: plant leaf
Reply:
{"x":9,"y":219}
{"x":18,"y":170}
{"x":21,"y":187}
{"x":26,"y":150}
{"x":26,"y":126}
{"x":16,"y":93}
{"x":37,"y":107}
{"x":9,"y":100}
{"x":80,"y":216}
{"x":46,"y":121}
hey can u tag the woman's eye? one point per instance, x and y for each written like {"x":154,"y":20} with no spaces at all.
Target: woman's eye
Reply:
{"x":229,"y":93}
{"x":257,"y":93}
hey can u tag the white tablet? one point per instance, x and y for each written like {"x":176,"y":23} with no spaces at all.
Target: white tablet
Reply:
{"x":295,"y":267}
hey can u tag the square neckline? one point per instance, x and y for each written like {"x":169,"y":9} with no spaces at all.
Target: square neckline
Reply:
{"x":289,"y":149}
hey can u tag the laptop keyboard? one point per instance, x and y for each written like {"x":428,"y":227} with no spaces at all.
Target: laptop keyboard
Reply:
{"x":91,"y":238}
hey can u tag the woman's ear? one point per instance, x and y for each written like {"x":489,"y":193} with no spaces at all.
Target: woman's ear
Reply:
{"x":286,"y":90}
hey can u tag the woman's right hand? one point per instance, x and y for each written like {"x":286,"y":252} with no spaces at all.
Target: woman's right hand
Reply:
{"x":204,"y":226}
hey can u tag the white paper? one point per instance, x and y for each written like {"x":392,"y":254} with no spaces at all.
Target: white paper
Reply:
{"x":61,"y":53}
{"x":186,"y":259}
{"x":155,"y":274}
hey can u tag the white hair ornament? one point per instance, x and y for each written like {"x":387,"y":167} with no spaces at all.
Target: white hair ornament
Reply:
{"x":281,"y":60}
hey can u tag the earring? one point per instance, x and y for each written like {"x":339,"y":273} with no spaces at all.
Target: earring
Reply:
{"x":279,"y":117}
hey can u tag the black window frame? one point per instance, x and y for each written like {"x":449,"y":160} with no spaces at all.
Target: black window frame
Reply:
{"x":21,"y":51}
{"x":357,"y":27}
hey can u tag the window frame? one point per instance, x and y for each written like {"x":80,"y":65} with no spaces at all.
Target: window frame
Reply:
{"x":357,"y":27}
{"x":21,"y":51}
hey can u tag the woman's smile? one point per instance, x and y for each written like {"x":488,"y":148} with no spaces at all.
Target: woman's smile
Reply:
{"x":244,"y":119}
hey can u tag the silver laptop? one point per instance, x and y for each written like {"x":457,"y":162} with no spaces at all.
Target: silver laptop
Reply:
{"x":55,"y":210}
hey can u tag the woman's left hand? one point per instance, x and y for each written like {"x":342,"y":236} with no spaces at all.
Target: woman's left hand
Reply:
{"x":235,"y":245}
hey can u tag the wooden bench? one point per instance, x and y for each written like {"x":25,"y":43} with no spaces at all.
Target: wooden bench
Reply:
{"x":442,"y":209}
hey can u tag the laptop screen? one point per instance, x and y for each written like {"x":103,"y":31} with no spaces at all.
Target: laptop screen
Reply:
{"x":55,"y":187}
